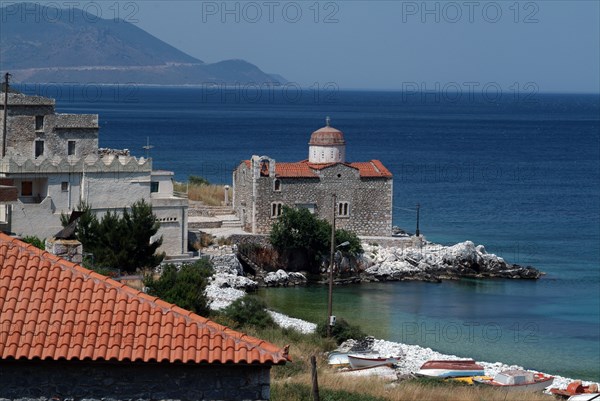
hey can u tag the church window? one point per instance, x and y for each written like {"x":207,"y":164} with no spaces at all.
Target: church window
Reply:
{"x":39,"y":148}
{"x":39,"y":123}
{"x":71,"y":148}
{"x":154,"y":186}
{"x":276,"y":209}
{"x":277,"y":185}
{"x":64,"y":186}
{"x":343,"y":209}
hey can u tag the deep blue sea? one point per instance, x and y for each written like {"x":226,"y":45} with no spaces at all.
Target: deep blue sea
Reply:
{"x":519,"y":174}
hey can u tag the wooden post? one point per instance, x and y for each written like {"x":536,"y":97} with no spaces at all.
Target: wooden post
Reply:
{"x":330,"y":294}
{"x":315,"y":380}
{"x":5,"y":117}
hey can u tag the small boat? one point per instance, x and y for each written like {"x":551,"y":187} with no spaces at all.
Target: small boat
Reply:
{"x":575,"y":388}
{"x":585,"y":397}
{"x":369,"y":361}
{"x":518,"y":380}
{"x":338,"y":358}
{"x":451,"y":368}
{"x":465,"y":380}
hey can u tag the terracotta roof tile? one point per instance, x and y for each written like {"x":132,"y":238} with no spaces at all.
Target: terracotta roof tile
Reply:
{"x":304,"y":169}
{"x":54,"y":309}
{"x":294,"y":170}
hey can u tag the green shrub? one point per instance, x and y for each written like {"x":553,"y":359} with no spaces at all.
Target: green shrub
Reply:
{"x":35,"y":241}
{"x":342,"y":331}
{"x":249,"y":311}
{"x":196,"y":180}
{"x":184,"y":288}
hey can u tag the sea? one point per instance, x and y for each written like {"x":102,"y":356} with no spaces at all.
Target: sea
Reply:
{"x":518,"y":173}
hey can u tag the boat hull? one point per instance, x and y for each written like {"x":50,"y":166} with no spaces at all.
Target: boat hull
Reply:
{"x":444,"y":373}
{"x":450,"y":368}
{"x":585,"y":397}
{"x":363,"y":361}
{"x":538,"y":385}
{"x":338,"y":358}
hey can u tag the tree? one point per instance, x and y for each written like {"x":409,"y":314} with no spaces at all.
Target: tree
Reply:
{"x":299,"y":231}
{"x":122,"y":241}
{"x":87,"y":225}
{"x":141,"y":225}
{"x":184,"y":288}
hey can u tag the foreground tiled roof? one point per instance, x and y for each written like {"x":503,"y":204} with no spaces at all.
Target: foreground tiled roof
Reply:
{"x":54,"y":309}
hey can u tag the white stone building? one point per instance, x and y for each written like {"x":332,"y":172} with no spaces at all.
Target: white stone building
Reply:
{"x":54,"y":162}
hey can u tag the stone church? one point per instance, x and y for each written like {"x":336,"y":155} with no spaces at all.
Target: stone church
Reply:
{"x":363,"y":190}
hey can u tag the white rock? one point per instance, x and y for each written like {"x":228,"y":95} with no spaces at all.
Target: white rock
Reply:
{"x":292,"y":323}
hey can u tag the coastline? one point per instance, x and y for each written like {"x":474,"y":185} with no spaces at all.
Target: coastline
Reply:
{"x":228,"y":284}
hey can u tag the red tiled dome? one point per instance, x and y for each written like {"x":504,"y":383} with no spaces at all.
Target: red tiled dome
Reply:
{"x":327,"y":136}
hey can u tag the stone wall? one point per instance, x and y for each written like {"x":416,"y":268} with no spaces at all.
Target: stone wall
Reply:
{"x":369,"y":199}
{"x":127,"y":381}
{"x":57,"y":130}
{"x":242,"y":195}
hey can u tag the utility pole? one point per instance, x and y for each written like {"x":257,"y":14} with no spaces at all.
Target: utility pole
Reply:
{"x":5,"y":117}
{"x":417,"y":233}
{"x":331,"y":255}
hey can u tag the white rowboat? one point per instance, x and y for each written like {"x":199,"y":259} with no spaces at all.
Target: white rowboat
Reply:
{"x":369,"y":361}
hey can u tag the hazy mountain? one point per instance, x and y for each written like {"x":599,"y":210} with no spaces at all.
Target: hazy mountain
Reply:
{"x":45,"y":44}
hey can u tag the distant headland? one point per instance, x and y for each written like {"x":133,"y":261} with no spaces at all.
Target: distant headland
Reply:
{"x":42,"y":44}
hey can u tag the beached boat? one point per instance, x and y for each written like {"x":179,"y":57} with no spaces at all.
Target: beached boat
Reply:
{"x":338,"y":358}
{"x":574,"y":388}
{"x":517,"y":380}
{"x":451,"y":368}
{"x":358,"y":361}
{"x":585,"y":397}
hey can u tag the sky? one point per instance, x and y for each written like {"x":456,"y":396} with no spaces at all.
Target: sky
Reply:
{"x":527,"y":46}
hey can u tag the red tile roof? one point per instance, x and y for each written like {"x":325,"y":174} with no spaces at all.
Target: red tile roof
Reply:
{"x":304,"y":169}
{"x":54,"y":309}
{"x":374,"y":168}
{"x":295,"y":170}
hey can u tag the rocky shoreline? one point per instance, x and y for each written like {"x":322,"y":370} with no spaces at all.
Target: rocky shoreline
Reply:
{"x":434,"y":262}
{"x":228,"y":284}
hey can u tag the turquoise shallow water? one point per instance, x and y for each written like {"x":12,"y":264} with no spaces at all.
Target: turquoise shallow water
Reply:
{"x":512,"y":322}
{"x":522,"y":178}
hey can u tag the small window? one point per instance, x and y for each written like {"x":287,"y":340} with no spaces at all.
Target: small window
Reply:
{"x":39,"y":148}
{"x":276,"y":209}
{"x":26,"y":188}
{"x":39,"y":123}
{"x":71,"y":148}
{"x":343,"y":209}
{"x":154,"y":186}
{"x":64,"y":186}
{"x":277,"y":185}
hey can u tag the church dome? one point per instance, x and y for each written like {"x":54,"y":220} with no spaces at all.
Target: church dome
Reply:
{"x":327,"y":136}
{"x":327,"y":145}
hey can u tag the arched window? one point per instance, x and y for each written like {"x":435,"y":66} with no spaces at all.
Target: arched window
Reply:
{"x":276,"y":209}
{"x":343,"y":209}
{"x":277,"y":185}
